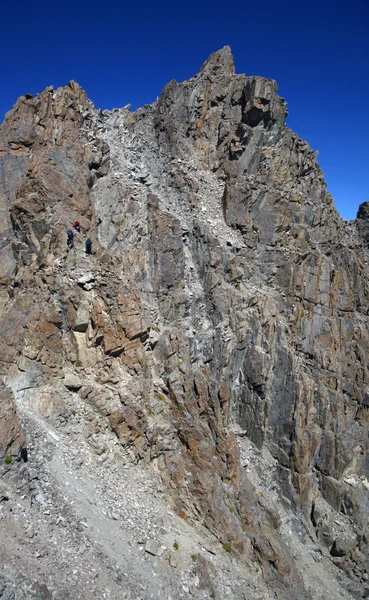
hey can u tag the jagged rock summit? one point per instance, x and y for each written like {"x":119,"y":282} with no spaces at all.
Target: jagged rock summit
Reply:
{"x":191,"y":399}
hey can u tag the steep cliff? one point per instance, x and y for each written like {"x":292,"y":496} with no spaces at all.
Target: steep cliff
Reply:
{"x":215,"y":340}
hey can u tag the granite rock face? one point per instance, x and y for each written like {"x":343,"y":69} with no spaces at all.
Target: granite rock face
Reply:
{"x":225,"y":300}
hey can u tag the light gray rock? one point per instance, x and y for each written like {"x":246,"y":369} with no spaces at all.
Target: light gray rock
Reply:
{"x":173,"y":560}
{"x":72,"y":381}
{"x":344,"y":544}
{"x":154,"y":547}
{"x":40,"y":498}
{"x":85,"y":279}
{"x":82,"y":319}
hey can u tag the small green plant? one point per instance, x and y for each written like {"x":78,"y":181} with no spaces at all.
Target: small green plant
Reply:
{"x":257,"y":570}
{"x":227,"y":547}
{"x":175,"y":545}
{"x":161,"y":397}
{"x":275,"y":522}
{"x":151,"y":411}
{"x":231,"y":510}
{"x":212,"y":594}
{"x":194,"y":557}
{"x":73,"y":413}
{"x":243,"y":527}
{"x":8,"y":459}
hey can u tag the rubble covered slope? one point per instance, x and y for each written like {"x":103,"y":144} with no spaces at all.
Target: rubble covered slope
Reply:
{"x":184,"y":412}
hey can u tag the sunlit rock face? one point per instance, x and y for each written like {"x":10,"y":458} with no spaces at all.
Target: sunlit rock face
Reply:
{"x":224,"y":296}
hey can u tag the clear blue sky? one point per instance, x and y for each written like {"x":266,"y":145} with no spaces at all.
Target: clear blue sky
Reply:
{"x":120,"y":52}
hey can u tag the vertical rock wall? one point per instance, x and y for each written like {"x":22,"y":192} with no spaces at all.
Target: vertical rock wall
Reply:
{"x":223,"y":286}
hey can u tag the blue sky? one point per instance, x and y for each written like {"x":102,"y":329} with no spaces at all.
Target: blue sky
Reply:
{"x":318,"y":51}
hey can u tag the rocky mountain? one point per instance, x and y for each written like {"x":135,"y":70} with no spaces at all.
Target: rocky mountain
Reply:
{"x":184,"y":412}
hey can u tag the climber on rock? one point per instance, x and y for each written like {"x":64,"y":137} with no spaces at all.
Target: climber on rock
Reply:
{"x":77,"y":226}
{"x":70,"y":238}
{"x":88,"y":246}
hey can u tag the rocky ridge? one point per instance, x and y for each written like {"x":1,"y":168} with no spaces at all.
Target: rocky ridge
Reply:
{"x":211,"y":352}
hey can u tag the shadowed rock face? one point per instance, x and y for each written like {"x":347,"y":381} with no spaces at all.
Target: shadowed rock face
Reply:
{"x":224,"y":285}
{"x":12,"y":438}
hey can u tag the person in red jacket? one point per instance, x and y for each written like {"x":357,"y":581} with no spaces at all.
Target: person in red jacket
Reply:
{"x":77,"y":226}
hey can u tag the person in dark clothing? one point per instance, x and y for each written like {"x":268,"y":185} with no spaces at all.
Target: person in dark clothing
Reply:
{"x":77,"y":226}
{"x":88,"y":246}
{"x":70,"y":238}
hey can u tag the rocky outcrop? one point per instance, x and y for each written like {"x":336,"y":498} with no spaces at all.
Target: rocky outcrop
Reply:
{"x":12,"y":438}
{"x":225,"y":301}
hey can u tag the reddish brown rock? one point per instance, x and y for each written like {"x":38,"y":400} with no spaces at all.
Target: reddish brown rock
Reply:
{"x":224,"y":289}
